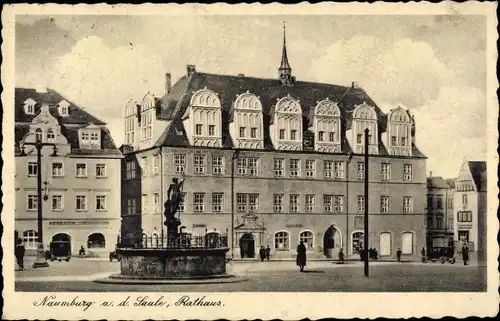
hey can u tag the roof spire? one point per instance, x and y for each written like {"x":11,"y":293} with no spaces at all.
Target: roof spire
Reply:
{"x":285,"y":71}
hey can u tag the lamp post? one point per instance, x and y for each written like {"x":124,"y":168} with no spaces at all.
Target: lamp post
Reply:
{"x":39,"y":145}
{"x":160,"y":153}
{"x":365,"y":256}
{"x":233,"y":158}
{"x":349,"y":158}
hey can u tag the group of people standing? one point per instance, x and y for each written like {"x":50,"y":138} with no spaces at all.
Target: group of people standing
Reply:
{"x":264,"y":253}
{"x":372,"y":254}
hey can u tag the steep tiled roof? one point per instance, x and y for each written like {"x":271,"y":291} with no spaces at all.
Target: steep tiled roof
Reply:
{"x":70,"y":124}
{"x":436,"y":182}
{"x":478,"y":171}
{"x":450,"y":182}
{"x":77,"y":115}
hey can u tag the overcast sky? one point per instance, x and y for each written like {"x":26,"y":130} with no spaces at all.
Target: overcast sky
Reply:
{"x":433,"y":65}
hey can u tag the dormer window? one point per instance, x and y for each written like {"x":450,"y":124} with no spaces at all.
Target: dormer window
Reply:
{"x":90,"y":137}
{"x":293,"y":134}
{"x":331,"y":136}
{"x":63,"y":108}
{"x":39,"y":135}
{"x":253,"y":132}
{"x":365,"y":117}
{"x":51,"y":136}
{"x":199,"y":129}
{"x":246,"y":124}
{"x":204,"y":119}
{"x":321,"y":136}
{"x":325,"y":124}
{"x":399,"y":129}
{"x":29,"y":106}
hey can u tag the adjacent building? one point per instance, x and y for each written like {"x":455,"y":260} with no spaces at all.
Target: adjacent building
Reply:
{"x":81,"y":193}
{"x":470,"y":208}
{"x":292,"y":150}
{"x":440,"y":222}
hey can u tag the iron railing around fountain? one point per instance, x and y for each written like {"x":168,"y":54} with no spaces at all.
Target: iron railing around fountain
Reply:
{"x":184,"y":240}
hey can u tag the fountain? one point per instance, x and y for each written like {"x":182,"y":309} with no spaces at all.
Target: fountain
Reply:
{"x":179,"y":258}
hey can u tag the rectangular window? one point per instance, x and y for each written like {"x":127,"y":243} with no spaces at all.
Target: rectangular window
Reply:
{"x":242,"y":166}
{"x":217,"y":199}
{"x":156,"y":164}
{"x":386,"y":172}
{"x":328,"y":169}
{"x":384,"y":204}
{"x":100,"y":170}
{"x":241,"y":203}
{"x":293,"y":134}
{"x":253,"y":132}
{"x":294,"y":203}
{"x":463,"y":236}
{"x":179,"y":163}
{"x":199,"y":129}
{"x":217,"y":165}
{"x":57,"y":203}
{"x":464,"y":199}
{"x":331,"y":136}
{"x":407,"y":171}
{"x":81,"y":170}
{"x":100,"y":203}
{"x":132,"y":206}
{"x":310,"y":168}
{"x":328,"y":203}
{"x":359,"y":138}
{"x":338,"y":204}
{"x":32,"y":202}
{"x":199,"y":202}
{"x":361,"y":171}
{"x":81,"y":202}
{"x":439,"y":202}
{"x":57,"y":169}
{"x":253,"y":203}
{"x":282,"y":134}
{"x":403,"y":141}
{"x":294,"y":168}
{"x":156,"y":202}
{"x":253,"y":166}
{"x":439,"y":221}
{"x":450,"y":202}
{"x":32,"y":169}
{"x":361,"y":204}
{"x":407,"y":205}
{"x":394,"y":140}
{"x":211,"y":130}
{"x":464,"y":217}
{"x":339,"y":170}
{"x":321,"y":136}
{"x":309,"y":203}
{"x":144,"y":203}
{"x":199,"y":164}
{"x":144,"y":166}
{"x":430,"y":202}
{"x":131,"y":170}
{"x":182,"y":207}
{"x":278,"y":203}
{"x":242,"y":131}
{"x":278,"y":167}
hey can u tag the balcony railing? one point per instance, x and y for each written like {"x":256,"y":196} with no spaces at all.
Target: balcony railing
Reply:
{"x":185,"y":240}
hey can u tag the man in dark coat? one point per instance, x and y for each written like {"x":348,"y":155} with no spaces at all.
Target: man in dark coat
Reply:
{"x":341,"y":256}
{"x":301,"y":256}
{"x":268,"y":252}
{"x":465,"y":254}
{"x":375,"y":254}
{"x":398,"y":254}
{"x":20,"y":253}
{"x":262,"y":253}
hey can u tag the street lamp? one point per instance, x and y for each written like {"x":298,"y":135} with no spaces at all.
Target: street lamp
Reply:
{"x":349,"y":159}
{"x":235,"y":155}
{"x":365,"y":251}
{"x":39,"y":145}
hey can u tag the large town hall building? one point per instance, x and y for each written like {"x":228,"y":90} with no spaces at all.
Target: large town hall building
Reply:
{"x":298,"y":172}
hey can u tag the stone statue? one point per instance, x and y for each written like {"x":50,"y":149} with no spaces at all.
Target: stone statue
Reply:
{"x":174,"y":198}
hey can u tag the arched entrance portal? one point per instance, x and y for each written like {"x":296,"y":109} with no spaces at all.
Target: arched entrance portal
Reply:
{"x":331,"y":242}
{"x":62,"y":237}
{"x":247,"y":246}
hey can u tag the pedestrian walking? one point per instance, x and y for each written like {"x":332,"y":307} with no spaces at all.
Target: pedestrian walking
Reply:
{"x":361,"y":253}
{"x":375,"y":254}
{"x":268,"y":252}
{"x":301,"y":256}
{"x":341,"y":256}
{"x":19,"y":253}
{"x":465,"y":254}
{"x":423,"y":252}
{"x":262,"y":253}
{"x":398,"y":254}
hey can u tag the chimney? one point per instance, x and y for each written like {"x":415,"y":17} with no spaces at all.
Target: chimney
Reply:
{"x":168,"y":82}
{"x":241,"y":75}
{"x":191,"y":69}
{"x":355,"y":84}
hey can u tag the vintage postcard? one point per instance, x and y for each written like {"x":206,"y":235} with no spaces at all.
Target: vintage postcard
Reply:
{"x":249,"y":161}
